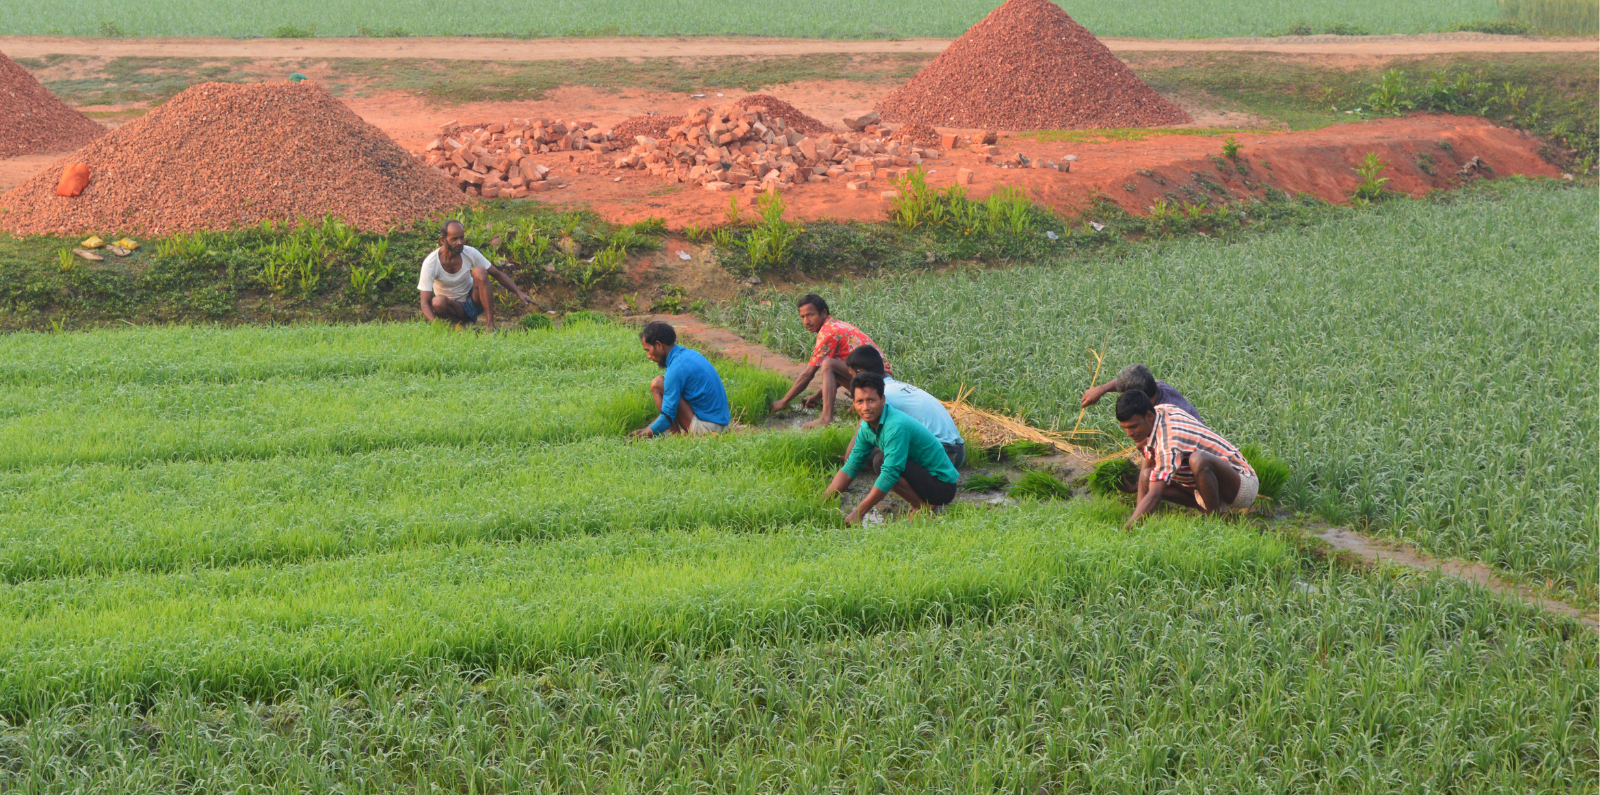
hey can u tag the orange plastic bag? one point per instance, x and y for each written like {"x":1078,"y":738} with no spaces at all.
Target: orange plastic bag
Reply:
{"x":74,"y":178}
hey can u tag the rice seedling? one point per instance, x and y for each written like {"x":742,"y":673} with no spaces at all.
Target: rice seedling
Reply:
{"x":985,"y":482}
{"x":1156,"y":19}
{"x":1271,"y":471}
{"x":521,"y":605}
{"x":1337,"y":681}
{"x":1037,"y":484}
{"x":1026,"y":448}
{"x":1107,"y":478}
{"x":118,"y":406}
{"x":1449,"y":418}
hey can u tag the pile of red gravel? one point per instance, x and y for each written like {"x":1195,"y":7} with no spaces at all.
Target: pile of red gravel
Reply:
{"x":220,"y":155}
{"x":917,"y":134}
{"x":650,"y":126}
{"x":792,"y":118}
{"x":1028,"y":66}
{"x":33,"y":120}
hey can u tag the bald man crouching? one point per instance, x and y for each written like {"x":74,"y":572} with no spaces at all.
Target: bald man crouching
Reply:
{"x":455,"y":280}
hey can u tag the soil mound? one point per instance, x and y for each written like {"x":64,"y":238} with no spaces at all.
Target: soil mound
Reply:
{"x":793,"y":119}
{"x":220,"y":156}
{"x":1028,"y":66}
{"x":35,"y":121}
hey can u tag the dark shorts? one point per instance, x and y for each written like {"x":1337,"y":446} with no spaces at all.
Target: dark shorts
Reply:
{"x":932,"y":490}
{"x":957,"y":453}
{"x":471,"y":309}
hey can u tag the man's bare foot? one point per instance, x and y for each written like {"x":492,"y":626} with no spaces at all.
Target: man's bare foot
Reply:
{"x":817,"y":423}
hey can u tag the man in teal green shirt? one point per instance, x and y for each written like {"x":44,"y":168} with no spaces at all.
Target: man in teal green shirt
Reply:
{"x":915,"y":465}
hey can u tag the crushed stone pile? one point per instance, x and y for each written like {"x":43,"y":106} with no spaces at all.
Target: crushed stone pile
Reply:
{"x":775,"y":108}
{"x":652,"y":125}
{"x":509,"y":159}
{"x":220,"y":155}
{"x":736,"y":147}
{"x":1028,"y":66}
{"x":35,"y":121}
{"x":918,"y":134}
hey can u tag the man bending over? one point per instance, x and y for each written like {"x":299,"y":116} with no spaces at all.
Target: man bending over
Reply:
{"x":835,"y":340}
{"x":689,"y":394}
{"x":455,"y":280}
{"x":914,"y":466}
{"x":1184,"y":461}
{"x":1137,"y":377}
{"x":917,"y":404}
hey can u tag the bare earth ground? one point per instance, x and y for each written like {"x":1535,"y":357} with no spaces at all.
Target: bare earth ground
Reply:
{"x":476,"y":49}
{"x":1313,"y":162}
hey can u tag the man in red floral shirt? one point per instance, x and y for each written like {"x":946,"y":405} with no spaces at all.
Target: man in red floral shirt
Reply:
{"x":835,"y":340}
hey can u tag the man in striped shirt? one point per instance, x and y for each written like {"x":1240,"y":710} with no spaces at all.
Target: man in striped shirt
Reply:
{"x":1184,"y":461}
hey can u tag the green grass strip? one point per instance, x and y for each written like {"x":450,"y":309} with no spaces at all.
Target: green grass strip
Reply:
{"x":209,"y":394}
{"x":1298,"y":682}
{"x":67,"y":521}
{"x":256,"y":631}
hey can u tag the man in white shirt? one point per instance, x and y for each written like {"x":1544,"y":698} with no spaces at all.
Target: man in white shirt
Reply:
{"x":915,"y":403}
{"x":455,"y":284}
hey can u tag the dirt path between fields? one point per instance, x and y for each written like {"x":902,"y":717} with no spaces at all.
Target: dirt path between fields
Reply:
{"x":476,"y":49}
{"x":1372,"y":551}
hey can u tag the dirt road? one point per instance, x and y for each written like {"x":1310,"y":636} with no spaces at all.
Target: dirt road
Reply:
{"x":474,"y":49}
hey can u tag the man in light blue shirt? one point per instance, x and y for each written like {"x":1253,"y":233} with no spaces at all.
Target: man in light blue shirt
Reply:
{"x":689,"y":394}
{"x":915,"y":403}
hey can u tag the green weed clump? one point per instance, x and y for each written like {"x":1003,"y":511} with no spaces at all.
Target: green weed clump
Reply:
{"x":1037,"y":484}
{"x":1106,"y":479}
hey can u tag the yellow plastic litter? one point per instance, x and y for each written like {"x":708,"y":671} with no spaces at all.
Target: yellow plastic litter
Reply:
{"x":93,"y":242}
{"x":128,"y":243}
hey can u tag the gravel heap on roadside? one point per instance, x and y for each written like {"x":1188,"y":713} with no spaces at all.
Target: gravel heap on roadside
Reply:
{"x":1028,"y":66}
{"x":35,"y":121}
{"x":219,"y":156}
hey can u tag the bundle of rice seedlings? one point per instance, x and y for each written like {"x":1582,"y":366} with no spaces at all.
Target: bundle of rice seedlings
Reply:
{"x":536,"y":322}
{"x":1027,"y":447}
{"x":1106,"y":478}
{"x":985,"y":483}
{"x":1270,"y":470}
{"x":585,"y":316}
{"x":1040,"y":485}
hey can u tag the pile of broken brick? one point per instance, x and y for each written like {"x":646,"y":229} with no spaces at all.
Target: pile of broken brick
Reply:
{"x":733,"y":148}
{"x":498,"y":160}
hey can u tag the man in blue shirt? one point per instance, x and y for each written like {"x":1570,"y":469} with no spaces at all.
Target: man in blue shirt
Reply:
{"x":689,"y":394}
{"x":915,"y":465}
{"x":922,"y":407}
